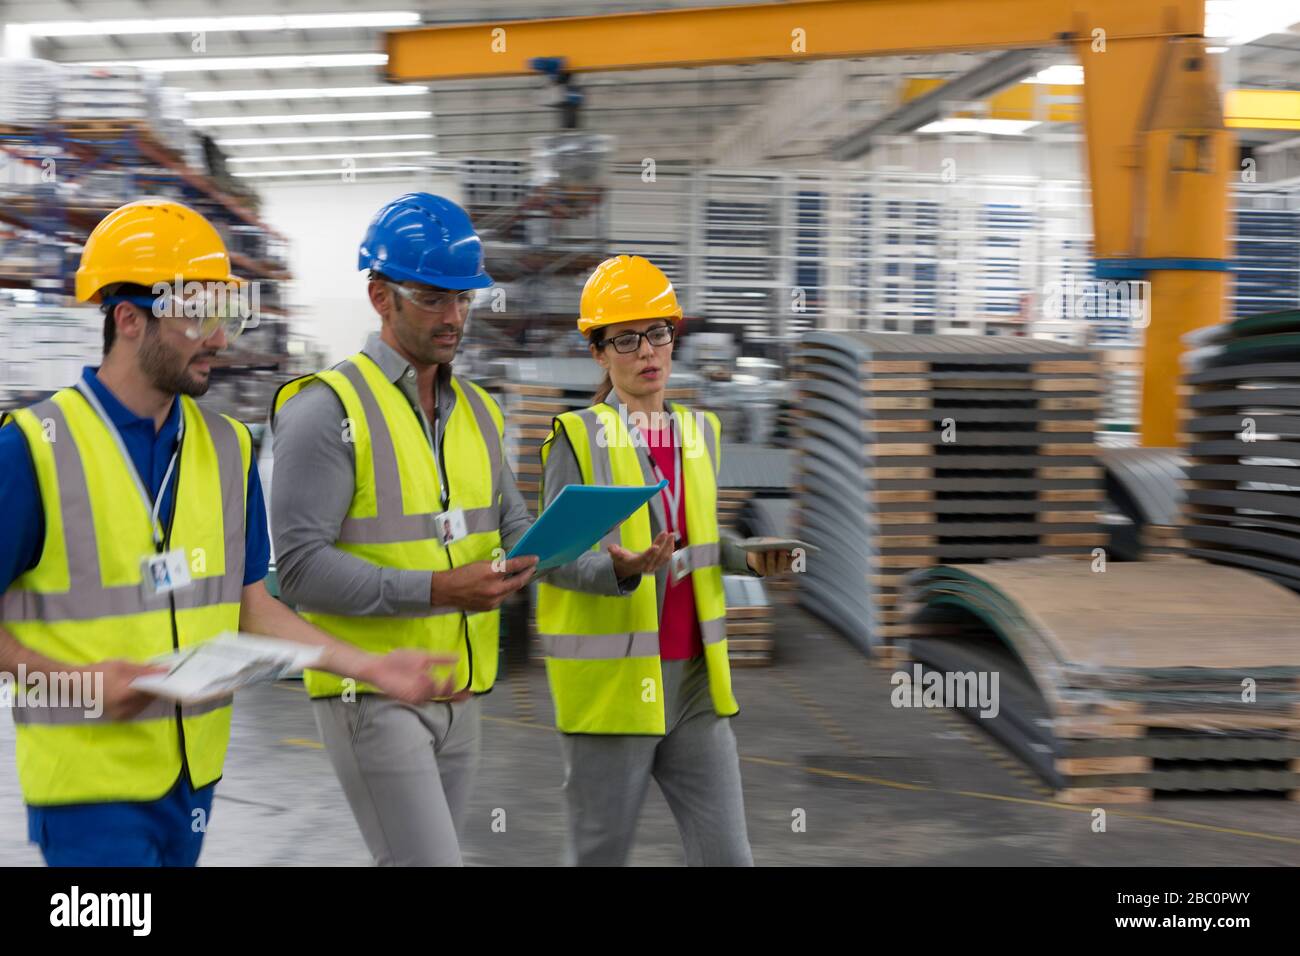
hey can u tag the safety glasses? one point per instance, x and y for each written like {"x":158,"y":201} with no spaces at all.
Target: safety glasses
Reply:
{"x":201,"y":313}
{"x":436,"y":301}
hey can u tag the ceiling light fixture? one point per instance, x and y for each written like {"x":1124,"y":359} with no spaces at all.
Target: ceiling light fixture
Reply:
{"x":323,"y":156}
{"x":302,"y":140}
{"x":310,"y":93}
{"x":997,"y":127}
{"x":248,"y":24}
{"x":212,"y":64}
{"x":335,"y":171}
{"x":289,"y":119}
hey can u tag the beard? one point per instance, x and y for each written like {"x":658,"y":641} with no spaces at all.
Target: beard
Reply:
{"x":167,"y":369}
{"x":418,"y":345}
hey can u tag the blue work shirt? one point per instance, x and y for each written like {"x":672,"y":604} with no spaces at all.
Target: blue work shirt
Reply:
{"x":24,"y":538}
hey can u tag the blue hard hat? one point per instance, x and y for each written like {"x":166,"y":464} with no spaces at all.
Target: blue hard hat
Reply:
{"x":424,"y":238}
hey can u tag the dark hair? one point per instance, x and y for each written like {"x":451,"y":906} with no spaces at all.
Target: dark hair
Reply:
{"x":110,"y":324}
{"x":606,"y":384}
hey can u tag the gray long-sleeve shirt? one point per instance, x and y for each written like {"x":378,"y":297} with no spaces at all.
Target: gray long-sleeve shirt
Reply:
{"x":314,"y":481}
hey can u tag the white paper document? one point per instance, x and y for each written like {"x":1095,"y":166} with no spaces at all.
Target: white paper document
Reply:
{"x":218,"y":667}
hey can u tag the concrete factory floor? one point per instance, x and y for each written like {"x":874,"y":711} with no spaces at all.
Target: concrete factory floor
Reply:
{"x":817,"y":732}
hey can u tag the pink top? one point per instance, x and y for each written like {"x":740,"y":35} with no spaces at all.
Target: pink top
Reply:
{"x":679,"y":625}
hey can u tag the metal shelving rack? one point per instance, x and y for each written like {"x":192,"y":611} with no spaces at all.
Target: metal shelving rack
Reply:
{"x":65,"y":177}
{"x":542,"y":235}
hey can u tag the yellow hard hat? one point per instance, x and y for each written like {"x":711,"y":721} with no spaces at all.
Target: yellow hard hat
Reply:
{"x":624,"y":289}
{"x":149,"y":241}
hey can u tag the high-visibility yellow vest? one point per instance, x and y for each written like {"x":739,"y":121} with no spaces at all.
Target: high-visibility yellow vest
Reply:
{"x":395,"y":500}
{"x":86,"y":601}
{"x":602,"y":653}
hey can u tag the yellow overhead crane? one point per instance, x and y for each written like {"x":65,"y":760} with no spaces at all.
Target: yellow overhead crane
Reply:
{"x":1160,"y":157}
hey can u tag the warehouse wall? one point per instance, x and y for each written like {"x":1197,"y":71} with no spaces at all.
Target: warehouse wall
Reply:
{"x":329,"y":294}
{"x":990,"y":156}
{"x":654,"y":219}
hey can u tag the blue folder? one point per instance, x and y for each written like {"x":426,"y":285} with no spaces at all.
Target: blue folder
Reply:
{"x":580,"y":516}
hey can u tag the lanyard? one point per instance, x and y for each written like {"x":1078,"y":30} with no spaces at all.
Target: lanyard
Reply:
{"x":151,"y":505}
{"x":673,"y":493}
{"x":437,"y":448}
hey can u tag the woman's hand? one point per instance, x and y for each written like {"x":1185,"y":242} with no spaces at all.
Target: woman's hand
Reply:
{"x":766,"y":563}
{"x":628,"y":563}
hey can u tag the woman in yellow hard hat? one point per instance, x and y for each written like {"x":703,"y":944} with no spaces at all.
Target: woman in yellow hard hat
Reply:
{"x":635,"y":633}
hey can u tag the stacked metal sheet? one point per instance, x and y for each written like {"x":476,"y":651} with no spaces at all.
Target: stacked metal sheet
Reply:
{"x":97,"y":93}
{"x":767,"y":517}
{"x":919,"y":450}
{"x":749,"y":472}
{"x":171,"y":124}
{"x":1242,"y":435}
{"x":1171,"y":675}
{"x":28,"y":91}
{"x":1121,"y":373}
{"x":772,"y":517}
{"x":536,"y":390}
{"x":1144,"y":485}
{"x":749,"y":621}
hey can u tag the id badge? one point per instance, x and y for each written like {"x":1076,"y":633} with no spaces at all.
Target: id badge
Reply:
{"x":450,"y":526}
{"x":166,"y":572}
{"x":680,"y":566}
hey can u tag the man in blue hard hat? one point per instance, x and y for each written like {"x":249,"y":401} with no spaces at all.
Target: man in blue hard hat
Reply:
{"x":392,"y":508}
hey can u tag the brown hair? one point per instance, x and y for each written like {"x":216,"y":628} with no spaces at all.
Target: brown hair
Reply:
{"x":606,"y":384}
{"x":109,"y":308}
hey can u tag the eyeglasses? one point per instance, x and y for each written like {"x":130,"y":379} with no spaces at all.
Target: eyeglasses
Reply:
{"x":658,"y":336}
{"x":436,"y":301}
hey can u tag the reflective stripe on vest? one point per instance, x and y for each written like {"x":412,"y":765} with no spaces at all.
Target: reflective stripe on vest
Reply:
{"x":87,"y":597}
{"x":603,"y":652}
{"x":86,"y":601}
{"x":159,"y":709}
{"x":390,"y":520}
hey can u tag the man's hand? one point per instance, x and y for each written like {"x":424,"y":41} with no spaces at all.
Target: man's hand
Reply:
{"x":628,"y":563}
{"x":406,"y":675}
{"x":481,"y":586}
{"x":121,"y":700}
{"x":766,"y":563}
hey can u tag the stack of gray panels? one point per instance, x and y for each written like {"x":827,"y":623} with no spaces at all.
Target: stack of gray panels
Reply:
{"x":1120,"y":685}
{"x":772,"y":517}
{"x":749,"y":621}
{"x":1145,"y":487}
{"x":1121,"y":375}
{"x":536,"y":390}
{"x":29,"y":90}
{"x":1242,"y":434}
{"x":922,"y":450}
{"x":116,"y":92}
{"x":768,"y":517}
{"x":749,"y":472}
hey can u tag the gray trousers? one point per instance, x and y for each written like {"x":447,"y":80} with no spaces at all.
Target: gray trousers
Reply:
{"x":406,"y":772}
{"x":695,"y":764}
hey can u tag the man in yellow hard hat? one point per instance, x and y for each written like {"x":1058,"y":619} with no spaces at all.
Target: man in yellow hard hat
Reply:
{"x":136,"y":528}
